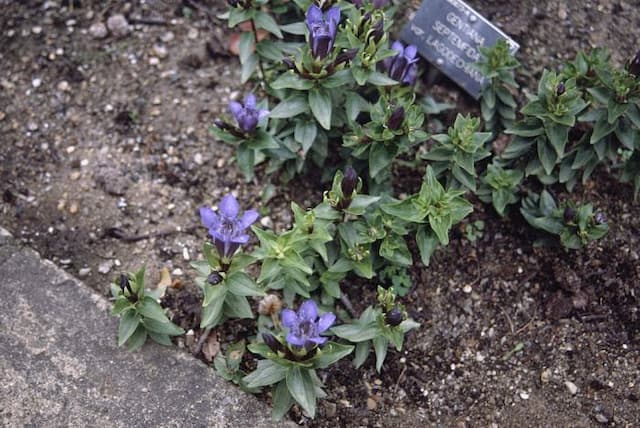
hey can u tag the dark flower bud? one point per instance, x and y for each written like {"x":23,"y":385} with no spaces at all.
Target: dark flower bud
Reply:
{"x":221,"y":124}
{"x":232,"y":3}
{"x":214,"y":278}
{"x":560,"y":89}
{"x":378,"y":31}
{"x":600,"y":218}
{"x":394,"y":317}
{"x":569,"y":215}
{"x":349,"y":182}
{"x":634,"y":65}
{"x":289,"y":63}
{"x":396,"y":119}
{"x":345,"y":56}
{"x":379,"y":4}
{"x":123,"y":282}
{"x":357,"y":3}
{"x":271,"y":341}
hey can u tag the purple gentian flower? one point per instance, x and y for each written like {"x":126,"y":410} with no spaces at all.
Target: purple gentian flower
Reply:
{"x":305,"y":327}
{"x":248,"y":115}
{"x":322,"y":30}
{"x":226,"y":227}
{"x":402,"y":67}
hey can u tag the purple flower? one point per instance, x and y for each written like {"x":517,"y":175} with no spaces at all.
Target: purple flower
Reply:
{"x":226,"y":227}
{"x":403,"y":66}
{"x":248,"y":115}
{"x":305,"y":327}
{"x":322,"y":30}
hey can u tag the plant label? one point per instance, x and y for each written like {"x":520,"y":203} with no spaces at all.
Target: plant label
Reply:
{"x":448,"y":34}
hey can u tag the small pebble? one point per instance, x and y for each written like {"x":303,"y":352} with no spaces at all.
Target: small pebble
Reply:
{"x":197,"y":158}
{"x":36,"y":30}
{"x":98,"y":30}
{"x":32,"y":126}
{"x":177,"y":272}
{"x":105,"y":267}
{"x":266,"y":222}
{"x":160,"y":51}
{"x":36,"y":82}
{"x":167,"y":37}
{"x":83,"y":272}
{"x":192,"y":33}
{"x":185,"y":254}
{"x":573,"y":389}
{"x":73,"y":209}
{"x":524,"y":395}
{"x":118,"y":25}
{"x":63,"y":86}
{"x":467,"y":289}
{"x":154,"y":61}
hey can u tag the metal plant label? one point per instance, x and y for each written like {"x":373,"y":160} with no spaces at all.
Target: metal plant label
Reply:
{"x":448,"y":34}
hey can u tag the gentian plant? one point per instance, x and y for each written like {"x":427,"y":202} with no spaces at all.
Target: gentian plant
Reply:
{"x":221,"y":275}
{"x":292,"y":357}
{"x":141,"y":315}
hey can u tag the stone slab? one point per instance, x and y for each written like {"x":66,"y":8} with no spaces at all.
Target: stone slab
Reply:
{"x":60,"y":364}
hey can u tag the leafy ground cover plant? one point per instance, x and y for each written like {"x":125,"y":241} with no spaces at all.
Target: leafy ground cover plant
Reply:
{"x":141,"y":315}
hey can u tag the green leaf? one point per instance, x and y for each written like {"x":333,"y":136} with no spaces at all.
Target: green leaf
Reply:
{"x":427,"y":243}
{"x":320,"y":104}
{"x":241,"y":284}
{"x":137,"y":339}
{"x":290,"y":107}
{"x":128,"y":325}
{"x":238,"y":15}
{"x":362,"y":352}
{"x":305,"y":133}
{"x":546,"y":155}
{"x":330,"y":353}
{"x":302,"y":389}
{"x":151,"y":309}
{"x":162,"y":327}
{"x":214,"y":297}
{"x":357,"y":332}
{"x":380,"y":157}
{"x":162,"y":339}
{"x":380,"y":345}
{"x":266,"y":22}
{"x":558,"y":136}
{"x":290,"y":80}
{"x":267,"y":373}
{"x":601,"y":129}
{"x":297,"y":28}
{"x":282,"y":401}
{"x":121,"y":304}
{"x":237,"y":306}
{"x":337,"y":79}
{"x":248,"y":68}
{"x":379,"y":79}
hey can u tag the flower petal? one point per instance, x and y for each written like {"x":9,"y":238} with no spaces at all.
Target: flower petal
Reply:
{"x":333,"y":14}
{"x":250,"y":101}
{"x":262,"y":113}
{"x":289,"y":318}
{"x":308,"y":311}
{"x":410,"y":52}
{"x":208,"y":217}
{"x":236,"y":108}
{"x":314,"y":14}
{"x":229,"y":206}
{"x":398,"y":47}
{"x":248,"y":218}
{"x":317,"y":340}
{"x":240,"y":239}
{"x":295,"y":340}
{"x":326,"y":321}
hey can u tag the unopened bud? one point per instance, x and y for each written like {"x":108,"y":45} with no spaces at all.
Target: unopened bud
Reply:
{"x":345,"y":56}
{"x":569,"y":215}
{"x":123,"y":282}
{"x":232,"y":3}
{"x":378,"y":31}
{"x":271,"y":341}
{"x":289,"y":63}
{"x":221,"y":124}
{"x":269,"y":305}
{"x":600,"y":218}
{"x":560,"y":89}
{"x":349,"y":182}
{"x":214,"y":278}
{"x":634,"y":65}
{"x":396,"y":119}
{"x":394,"y":317}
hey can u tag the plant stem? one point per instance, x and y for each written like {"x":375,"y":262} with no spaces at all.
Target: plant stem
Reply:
{"x":255,"y":38}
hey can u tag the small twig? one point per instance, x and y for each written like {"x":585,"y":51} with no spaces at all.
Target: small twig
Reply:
{"x":145,"y":21}
{"x":508,"y":320}
{"x":395,"y":388}
{"x":203,"y":338}
{"x":116,"y":232}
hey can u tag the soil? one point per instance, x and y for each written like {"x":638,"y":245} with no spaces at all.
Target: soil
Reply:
{"x":106,"y":157}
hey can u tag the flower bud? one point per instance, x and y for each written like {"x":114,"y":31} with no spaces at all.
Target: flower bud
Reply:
{"x":349,"y":182}
{"x":394,"y":317}
{"x":634,"y":65}
{"x":289,"y":63}
{"x":600,"y":218}
{"x":232,"y":3}
{"x":396,"y":119}
{"x":269,"y":305}
{"x":560,"y":89}
{"x":214,"y":278}
{"x":569,"y":215}
{"x":221,"y":124}
{"x":379,"y":4}
{"x":123,"y":282}
{"x":378,"y":31}
{"x":271,"y":341}
{"x":345,"y":56}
